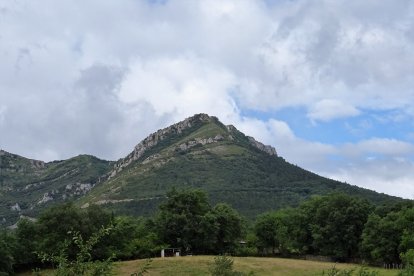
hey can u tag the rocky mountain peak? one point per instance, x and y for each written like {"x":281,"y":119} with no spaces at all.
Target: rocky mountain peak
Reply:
{"x":158,"y":136}
{"x":178,"y":128}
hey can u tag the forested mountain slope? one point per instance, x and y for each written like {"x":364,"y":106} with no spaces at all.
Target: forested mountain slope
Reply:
{"x":28,"y":186}
{"x":198,"y":152}
{"x":201,"y":152}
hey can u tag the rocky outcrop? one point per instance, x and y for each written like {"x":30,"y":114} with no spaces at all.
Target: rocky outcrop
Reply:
{"x":46,"y":198}
{"x":37,"y":164}
{"x":77,"y":189}
{"x":153,"y":139}
{"x":15,"y":207}
{"x":200,"y":141}
{"x":267,"y":149}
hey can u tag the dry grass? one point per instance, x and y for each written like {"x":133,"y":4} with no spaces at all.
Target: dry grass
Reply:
{"x":198,"y":265}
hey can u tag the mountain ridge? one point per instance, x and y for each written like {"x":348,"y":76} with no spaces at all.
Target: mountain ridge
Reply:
{"x":206,"y":154}
{"x":197,"y":152}
{"x":153,"y":139}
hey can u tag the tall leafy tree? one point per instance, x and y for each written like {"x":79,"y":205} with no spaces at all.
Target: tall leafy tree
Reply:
{"x":282,"y":231}
{"x":187,"y":221}
{"x":336,"y":223}
{"x":266,"y":232}
{"x":181,"y":220}
{"x":227,"y":224}
{"x":386,"y":238}
{"x":27,"y":237}
{"x":7,"y":249}
{"x":55,"y":223}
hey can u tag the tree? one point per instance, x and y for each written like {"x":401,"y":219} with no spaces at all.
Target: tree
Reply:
{"x":385,"y":239}
{"x":181,"y":220}
{"x":228,"y":228}
{"x":266,"y":232}
{"x":282,"y":230}
{"x":132,"y":238}
{"x":336,"y":223}
{"x":187,"y":221}
{"x":27,"y":238}
{"x":55,"y":223}
{"x":83,"y":263}
{"x":7,"y":247}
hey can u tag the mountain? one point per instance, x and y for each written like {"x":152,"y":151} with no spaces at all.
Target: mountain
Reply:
{"x":27,"y":186}
{"x":203,"y":153}
{"x":199,"y":152}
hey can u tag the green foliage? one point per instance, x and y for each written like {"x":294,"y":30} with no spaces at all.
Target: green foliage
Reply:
{"x":385,"y":238}
{"x":362,"y":271}
{"x":83,"y":263}
{"x":336,"y":223}
{"x":223,"y":266}
{"x":266,"y":229}
{"x":132,"y":238}
{"x":187,"y":221}
{"x":231,"y":171}
{"x":7,"y":246}
{"x":27,"y":245}
{"x":329,"y":225}
{"x":181,"y":220}
{"x":55,"y":223}
{"x":408,"y":261}
{"x":228,"y":227}
{"x":27,"y":181}
{"x":381,"y":238}
{"x":282,"y":231}
{"x":333,"y":271}
{"x":144,"y":269}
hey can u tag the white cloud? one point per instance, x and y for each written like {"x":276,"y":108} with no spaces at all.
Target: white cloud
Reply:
{"x":180,"y":87}
{"x":328,"y":109}
{"x":308,"y":154}
{"x":378,"y":146}
{"x":391,"y":176}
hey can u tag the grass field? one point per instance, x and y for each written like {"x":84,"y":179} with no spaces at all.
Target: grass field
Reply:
{"x":199,"y":265}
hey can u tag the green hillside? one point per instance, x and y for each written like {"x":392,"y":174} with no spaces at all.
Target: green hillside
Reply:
{"x":198,"y":152}
{"x":27,"y":186}
{"x":231,"y":168}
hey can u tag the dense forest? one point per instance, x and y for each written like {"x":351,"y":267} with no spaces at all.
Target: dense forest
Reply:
{"x":338,"y":226}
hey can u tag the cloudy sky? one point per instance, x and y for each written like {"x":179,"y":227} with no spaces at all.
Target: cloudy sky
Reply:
{"x":329,"y":83}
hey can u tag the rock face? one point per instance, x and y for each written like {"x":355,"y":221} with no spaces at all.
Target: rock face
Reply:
{"x":265,"y":148}
{"x":155,"y":138}
{"x":268,"y":149}
{"x":200,"y":141}
{"x":27,"y":185}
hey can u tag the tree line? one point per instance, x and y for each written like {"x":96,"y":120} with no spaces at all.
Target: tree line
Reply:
{"x":338,"y":226}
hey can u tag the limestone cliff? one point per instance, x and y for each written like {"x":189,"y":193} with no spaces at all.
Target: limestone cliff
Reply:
{"x":155,"y":138}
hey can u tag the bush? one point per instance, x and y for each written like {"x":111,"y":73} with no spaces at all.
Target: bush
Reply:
{"x":223,"y":266}
{"x":362,"y":271}
{"x":82,"y":265}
